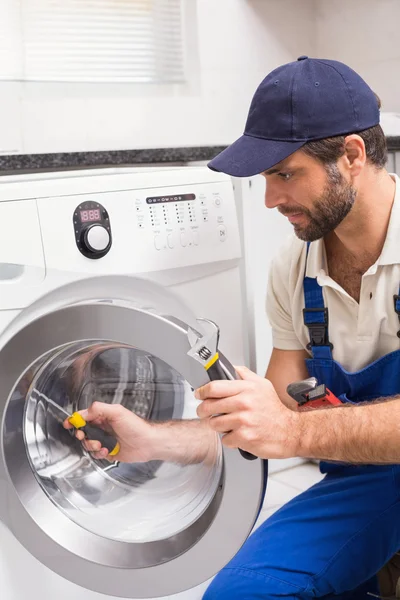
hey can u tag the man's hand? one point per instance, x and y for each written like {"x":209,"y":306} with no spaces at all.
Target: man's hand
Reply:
{"x":251,"y":415}
{"x":183,"y":442}
{"x":136,"y":436}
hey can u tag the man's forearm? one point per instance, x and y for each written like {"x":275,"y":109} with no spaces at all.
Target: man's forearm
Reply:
{"x":185,"y":442}
{"x":366,"y":433}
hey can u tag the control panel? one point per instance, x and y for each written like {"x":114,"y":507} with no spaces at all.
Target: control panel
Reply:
{"x":92,"y":229}
{"x":140,"y":223}
{"x":179,"y":219}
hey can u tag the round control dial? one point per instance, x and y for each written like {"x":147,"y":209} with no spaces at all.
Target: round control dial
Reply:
{"x":92,"y":229}
{"x":96,"y":239}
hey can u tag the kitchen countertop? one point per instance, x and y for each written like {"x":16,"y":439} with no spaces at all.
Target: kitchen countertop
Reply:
{"x":71,"y":160}
{"x":106,"y":158}
{"x":393,"y":143}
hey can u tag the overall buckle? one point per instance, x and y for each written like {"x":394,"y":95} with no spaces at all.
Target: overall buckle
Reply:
{"x":319,"y":335}
{"x":396,"y":299}
{"x":396,"y":302}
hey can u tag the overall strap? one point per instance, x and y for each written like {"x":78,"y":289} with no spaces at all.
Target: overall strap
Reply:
{"x":315,"y":317}
{"x":396,"y":299}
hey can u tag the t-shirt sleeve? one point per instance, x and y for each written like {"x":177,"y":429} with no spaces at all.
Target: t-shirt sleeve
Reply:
{"x":278,"y":306}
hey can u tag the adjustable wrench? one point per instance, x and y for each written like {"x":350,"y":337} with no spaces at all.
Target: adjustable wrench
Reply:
{"x":204,"y":349}
{"x":308,"y":394}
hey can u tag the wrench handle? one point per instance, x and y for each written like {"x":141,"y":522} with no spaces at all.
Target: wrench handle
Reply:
{"x":217,"y":372}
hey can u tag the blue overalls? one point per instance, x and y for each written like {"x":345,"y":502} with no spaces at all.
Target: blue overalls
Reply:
{"x":332,"y":539}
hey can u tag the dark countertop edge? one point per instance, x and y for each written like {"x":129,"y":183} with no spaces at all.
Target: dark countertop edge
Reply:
{"x":108,"y":158}
{"x":393,"y":143}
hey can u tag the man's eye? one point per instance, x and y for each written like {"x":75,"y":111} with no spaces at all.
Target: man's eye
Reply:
{"x":285,"y":176}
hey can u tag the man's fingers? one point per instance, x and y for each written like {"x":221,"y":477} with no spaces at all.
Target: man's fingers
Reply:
{"x":101,"y":411}
{"x":101,"y":414}
{"x":211,"y":408}
{"x":245,"y":374}
{"x":92,"y":445}
{"x":229,"y":441}
{"x":101,"y":455}
{"x":224,"y":423}
{"x":98,"y":413}
{"x":233,"y":404}
{"x":219,"y":389}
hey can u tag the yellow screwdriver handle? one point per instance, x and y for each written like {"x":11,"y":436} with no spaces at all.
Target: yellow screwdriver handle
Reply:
{"x":93,"y":432}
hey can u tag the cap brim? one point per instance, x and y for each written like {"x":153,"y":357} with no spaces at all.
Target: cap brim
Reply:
{"x":250,"y":156}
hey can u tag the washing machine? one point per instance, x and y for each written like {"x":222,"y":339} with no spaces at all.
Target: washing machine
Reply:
{"x":101,"y":275}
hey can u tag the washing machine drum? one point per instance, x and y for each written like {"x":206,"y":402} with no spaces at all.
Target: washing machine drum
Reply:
{"x":133,"y":530}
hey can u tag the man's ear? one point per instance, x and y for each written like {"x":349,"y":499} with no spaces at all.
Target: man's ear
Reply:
{"x":355,"y":156}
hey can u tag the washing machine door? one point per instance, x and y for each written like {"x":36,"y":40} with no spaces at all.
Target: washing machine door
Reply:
{"x":136,"y":530}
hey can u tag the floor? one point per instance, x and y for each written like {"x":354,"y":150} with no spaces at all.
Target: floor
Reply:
{"x":285,"y":485}
{"x":282,"y":487}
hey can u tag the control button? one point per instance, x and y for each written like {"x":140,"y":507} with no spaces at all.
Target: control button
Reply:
{"x":217,"y":201}
{"x":184,"y":239}
{"x":222,"y":233}
{"x":170,"y":240}
{"x":97,"y":238}
{"x":195,"y":237}
{"x":303,"y":57}
{"x":157,"y":242}
{"x":92,"y":230}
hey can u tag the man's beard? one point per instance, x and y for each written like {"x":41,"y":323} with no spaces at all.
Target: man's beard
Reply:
{"x":328,"y":211}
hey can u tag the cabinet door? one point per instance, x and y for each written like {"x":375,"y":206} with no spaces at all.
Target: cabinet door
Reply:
{"x":263,"y":232}
{"x":391,"y":162}
{"x":396,"y":167}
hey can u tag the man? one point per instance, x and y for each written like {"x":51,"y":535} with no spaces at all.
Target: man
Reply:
{"x":313,"y":132}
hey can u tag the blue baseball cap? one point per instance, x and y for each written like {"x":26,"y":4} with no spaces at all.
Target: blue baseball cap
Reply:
{"x":309,"y":99}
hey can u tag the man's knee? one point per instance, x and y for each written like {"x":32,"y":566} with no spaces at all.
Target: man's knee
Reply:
{"x":246,"y":584}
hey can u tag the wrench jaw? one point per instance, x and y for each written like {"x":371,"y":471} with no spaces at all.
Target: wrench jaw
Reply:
{"x":204,"y":346}
{"x":299,"y":389}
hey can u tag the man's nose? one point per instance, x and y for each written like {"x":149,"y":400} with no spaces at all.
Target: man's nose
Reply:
{"x":274,"y":196}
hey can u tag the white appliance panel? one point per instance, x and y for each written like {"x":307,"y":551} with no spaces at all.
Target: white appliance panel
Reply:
{"x":190,"y":245}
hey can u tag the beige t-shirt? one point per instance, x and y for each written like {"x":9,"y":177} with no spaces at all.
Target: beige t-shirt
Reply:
{"x":360,"y":333}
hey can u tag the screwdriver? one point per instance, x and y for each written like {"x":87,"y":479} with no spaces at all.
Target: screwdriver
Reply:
{"x":91,"y":431}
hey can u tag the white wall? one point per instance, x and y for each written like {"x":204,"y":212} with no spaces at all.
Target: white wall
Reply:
{"x":238,"y":42}
{"x":233,"y":45}
{"x":263,"y":233}
{"x":364,"y":34}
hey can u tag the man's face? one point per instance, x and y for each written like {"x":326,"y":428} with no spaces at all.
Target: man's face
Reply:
{"x":314,"y":197}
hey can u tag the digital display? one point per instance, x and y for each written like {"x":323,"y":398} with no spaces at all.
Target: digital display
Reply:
{"x":172,"y":198}
{"x":90,"y":215}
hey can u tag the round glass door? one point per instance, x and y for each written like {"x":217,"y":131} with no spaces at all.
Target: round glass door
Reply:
{"x":132,"y":502}
{"x":151,"y":527}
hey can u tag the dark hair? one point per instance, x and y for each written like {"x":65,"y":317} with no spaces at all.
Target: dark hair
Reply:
{"x":329,"y":150}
